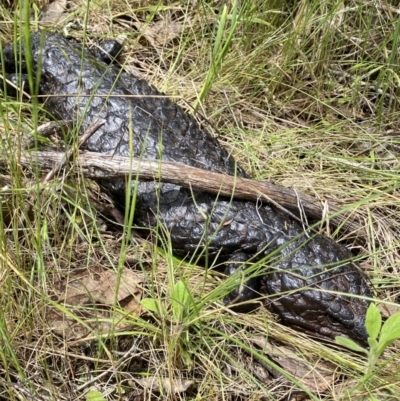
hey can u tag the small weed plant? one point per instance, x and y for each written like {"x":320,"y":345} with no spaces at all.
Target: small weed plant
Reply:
{"x":381,"y":336}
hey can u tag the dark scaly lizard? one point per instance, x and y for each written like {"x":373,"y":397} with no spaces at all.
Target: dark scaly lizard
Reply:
{"x":308,"y":276}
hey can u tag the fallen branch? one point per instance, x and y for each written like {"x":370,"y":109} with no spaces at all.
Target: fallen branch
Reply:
{"x":100,"y":166}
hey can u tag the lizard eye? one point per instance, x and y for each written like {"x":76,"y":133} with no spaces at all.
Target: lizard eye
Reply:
{"x":333,"y":320}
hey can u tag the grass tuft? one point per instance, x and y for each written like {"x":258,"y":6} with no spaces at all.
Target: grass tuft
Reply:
{"x":304,"y":93}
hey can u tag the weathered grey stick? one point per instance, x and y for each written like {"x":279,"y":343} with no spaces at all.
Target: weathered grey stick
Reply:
{"x":96,"y":166}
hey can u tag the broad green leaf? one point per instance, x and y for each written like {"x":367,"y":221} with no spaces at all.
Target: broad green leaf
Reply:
{"x":373,"y":321}
{"x":94,"y":395}
{"x":346,"y":342}
{"x":179,"y":299}
{"x":390,"y":331}
{"x":151,"y":304}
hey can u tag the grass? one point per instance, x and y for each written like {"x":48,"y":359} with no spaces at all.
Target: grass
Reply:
{"x":305,"y":93}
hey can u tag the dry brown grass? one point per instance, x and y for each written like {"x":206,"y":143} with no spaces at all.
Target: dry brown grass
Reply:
{"x":307,"y":95}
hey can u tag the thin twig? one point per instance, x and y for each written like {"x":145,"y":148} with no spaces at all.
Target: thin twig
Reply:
{"x":17,"y":88}
{"x":46,"y":130}
{"x":82,"y":139}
